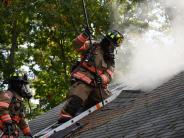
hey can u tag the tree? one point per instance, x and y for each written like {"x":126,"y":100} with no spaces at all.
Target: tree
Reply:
{"x":39,"y":34}
{"x":14,"y":28}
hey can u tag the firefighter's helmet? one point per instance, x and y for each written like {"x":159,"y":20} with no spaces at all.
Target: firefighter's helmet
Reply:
{"x":115,"y":37}
{"x":19,"y":83}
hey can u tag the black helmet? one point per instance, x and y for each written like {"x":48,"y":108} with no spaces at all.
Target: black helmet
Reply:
{"x":115,"y":37}
{"x":19,"y":84}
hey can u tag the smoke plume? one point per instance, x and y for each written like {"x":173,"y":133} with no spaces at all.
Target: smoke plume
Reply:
{"x":151,"y":58}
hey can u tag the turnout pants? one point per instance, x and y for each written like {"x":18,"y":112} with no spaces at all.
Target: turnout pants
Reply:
{"x":83,"y":95}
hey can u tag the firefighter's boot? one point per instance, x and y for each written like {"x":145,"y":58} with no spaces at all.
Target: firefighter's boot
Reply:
{"x":70,"y":109}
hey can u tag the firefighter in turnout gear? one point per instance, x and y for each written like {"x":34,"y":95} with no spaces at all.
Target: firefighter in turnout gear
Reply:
{"x":95,"y":68}
{"x":12,"y":118}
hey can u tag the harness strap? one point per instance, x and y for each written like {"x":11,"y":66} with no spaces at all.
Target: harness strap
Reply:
{"x":16,"y":119}
{"x":91,"y":68}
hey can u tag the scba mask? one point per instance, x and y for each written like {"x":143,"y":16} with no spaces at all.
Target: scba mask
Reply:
{"x":26,"y":91}
{"x":20,"y":85}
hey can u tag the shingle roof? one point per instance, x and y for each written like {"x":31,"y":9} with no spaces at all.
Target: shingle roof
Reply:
{"x":43,"y":121}
{"x":134,"y":114}
{"x":155,"y":114}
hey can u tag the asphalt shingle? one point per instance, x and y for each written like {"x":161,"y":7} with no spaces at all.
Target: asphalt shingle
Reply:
{"x":157,"y":114}
{"x":133,"y":114}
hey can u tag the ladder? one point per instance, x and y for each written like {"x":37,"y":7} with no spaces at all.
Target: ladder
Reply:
{"x":45,"y":133}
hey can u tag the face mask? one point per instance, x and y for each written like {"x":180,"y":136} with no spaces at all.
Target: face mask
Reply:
{"x":25,"y":91}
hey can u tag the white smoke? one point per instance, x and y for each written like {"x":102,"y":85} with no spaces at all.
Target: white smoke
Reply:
{"x":156,"y":56}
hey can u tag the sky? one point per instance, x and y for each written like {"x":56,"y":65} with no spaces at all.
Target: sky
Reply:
{"x":154,"y":56}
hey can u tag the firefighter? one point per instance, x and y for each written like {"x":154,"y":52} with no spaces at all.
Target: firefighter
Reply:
{"x":12,"y":118}
{"x":95,"y":68}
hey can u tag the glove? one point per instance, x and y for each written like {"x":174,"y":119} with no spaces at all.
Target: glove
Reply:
{"x":87,"y":31}
{"x":9,"y":130}
{"x":98,"y":80}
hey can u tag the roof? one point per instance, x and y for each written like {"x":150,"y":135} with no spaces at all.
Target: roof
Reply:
{"x":45,"y":120}
{"x":159,"y":113}
{"x":50,"y":117}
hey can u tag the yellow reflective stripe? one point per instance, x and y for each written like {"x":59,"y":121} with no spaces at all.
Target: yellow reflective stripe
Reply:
{"x":105,"y":79}
{"x":82,"y":77}
{"x":4,"y":104}
{"x":84,"y":47}
{"x":98,"y":106}
{"x":82,"y":38}
{"x":112,"y":36}
{"x":118,"y":35}
{"x":110,"y":73}
{"x":5,"y":118}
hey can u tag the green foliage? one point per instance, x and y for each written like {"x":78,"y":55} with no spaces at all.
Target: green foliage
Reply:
{"x":40,"y":34}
